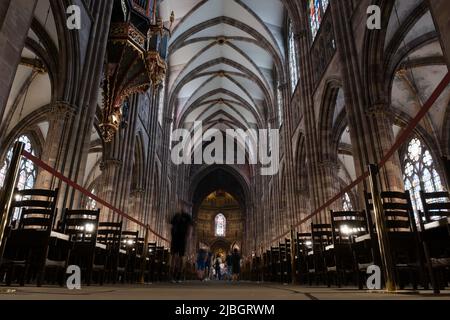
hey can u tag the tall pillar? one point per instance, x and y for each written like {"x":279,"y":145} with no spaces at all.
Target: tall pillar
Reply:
{"x":60,"y":116}
{"x":370,"y":128}
{"x":315,"y":182}
{"x":15,"y":21}
{"x":440,"y":10}
{"x":391,"y":175}
{"x":110,"y":171}
{"x":331,"y":188}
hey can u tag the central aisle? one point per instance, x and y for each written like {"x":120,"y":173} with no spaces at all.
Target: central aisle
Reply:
{"x":208,"y":291}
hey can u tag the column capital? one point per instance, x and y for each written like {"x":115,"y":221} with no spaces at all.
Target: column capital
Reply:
{"x":282,"y":86}
{"x":379,"y":108}
{"x":137,"y":192}
{"x":61,"y":110}
{"x":110,"y":162}
{"x":300,"y":34}
{"x":328,"y":164}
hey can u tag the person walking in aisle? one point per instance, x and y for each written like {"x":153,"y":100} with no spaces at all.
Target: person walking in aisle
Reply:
{"x":236,"y":264}
{"x":181,"y":228}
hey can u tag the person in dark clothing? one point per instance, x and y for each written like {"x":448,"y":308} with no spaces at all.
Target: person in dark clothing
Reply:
{"x":236,"y":264}
{"x":202,"y":256}
{"x":217,"y":263}
{"x":208,"y":265}
{"x":229,"y":266}
{"x":181,"y":227}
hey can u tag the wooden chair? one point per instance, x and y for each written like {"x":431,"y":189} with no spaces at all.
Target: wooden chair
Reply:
{"x":165,"y":264}
{"x":143,"y":262}
{"x":110,"y":234}
{"x":82,"y":227}
{"x":365,"y":246}
{"x":435,"y":232}
{"x":27,"y":247}
{"x":321,"y":237}
{"x":403,"y":236}
{"x":302,"y":245}
{"x":152,"y":261}
{"x":339,"y":257}
{"x":129,"y":243}
{"x":286,"y":264}
{"x":274,"y":264}
{"x":436,"y":205}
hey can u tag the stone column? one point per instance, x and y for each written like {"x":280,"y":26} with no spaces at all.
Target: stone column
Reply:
{"x":331,"y":188}
{"x":391,"y":175}
{"x":136,"y":208}
{"x":370,"y":128}
{"x":315,"y":186}
{"x":441,"y":15}
{"x":60,"y":116}
{"x":15,"y":21}
{"x":110,"y":171}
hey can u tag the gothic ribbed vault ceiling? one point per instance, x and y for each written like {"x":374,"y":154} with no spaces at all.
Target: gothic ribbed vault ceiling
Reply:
{"x":224,"y":56}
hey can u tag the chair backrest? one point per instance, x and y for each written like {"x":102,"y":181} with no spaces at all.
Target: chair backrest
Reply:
{"x":304,"y":243}
{"x":347,"y":225}
{"x":110,"y":233}
{"x":436,"y":205}
{"x":81,"y":225}
{"x":152,"y":249}
{"x":37,"y":208}
{"x":321,"y":236}
{"x":129,"y":240}
{"x":398,"y":211}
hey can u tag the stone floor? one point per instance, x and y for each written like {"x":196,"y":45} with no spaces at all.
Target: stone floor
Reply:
{"x":208,"y":291}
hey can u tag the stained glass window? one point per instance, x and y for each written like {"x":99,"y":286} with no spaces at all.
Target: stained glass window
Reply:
{"x":293,"y":56}
{"x":420,"y":172}
{"x":347,"y":203}
{"x":317,"y":8}
{"x":27,"y":171}
{"x":221,"y":223}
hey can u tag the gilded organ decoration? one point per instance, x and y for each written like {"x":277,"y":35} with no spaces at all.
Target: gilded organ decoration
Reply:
{"x":135,"y":60}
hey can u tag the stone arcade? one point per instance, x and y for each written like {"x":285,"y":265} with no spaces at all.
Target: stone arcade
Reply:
{"x":100,"y":105}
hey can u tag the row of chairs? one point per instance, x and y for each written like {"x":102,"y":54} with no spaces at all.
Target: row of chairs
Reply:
{"x":340,"y":252}
{"x":36,"y":251}
{"x":276,"y":263}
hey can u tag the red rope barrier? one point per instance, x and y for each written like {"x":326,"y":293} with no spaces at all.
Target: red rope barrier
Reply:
{"x":402,"y":137}
{"x":76,"y":186}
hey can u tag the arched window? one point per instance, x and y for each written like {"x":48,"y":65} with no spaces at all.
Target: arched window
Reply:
{"x":220,"y":225}
{"x":317,"y":9}
{"x":27,"y":171}
{"x":293,"y":56}
{"x":347,"y":203}
{"x":420,"y":172}
{"x":91,"y":204}
{"x":280,"y":104}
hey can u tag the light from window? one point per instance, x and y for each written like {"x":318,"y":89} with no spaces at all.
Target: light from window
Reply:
{"x":27,"y":171}
{"x":280,"y":104}
{"x":347,"y":203}
{"x":221,"y":223}
{"x":293,"y":56}
{"x":420,"y":172}
{"x":317,"y":8}
{"x":91,"y":204}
